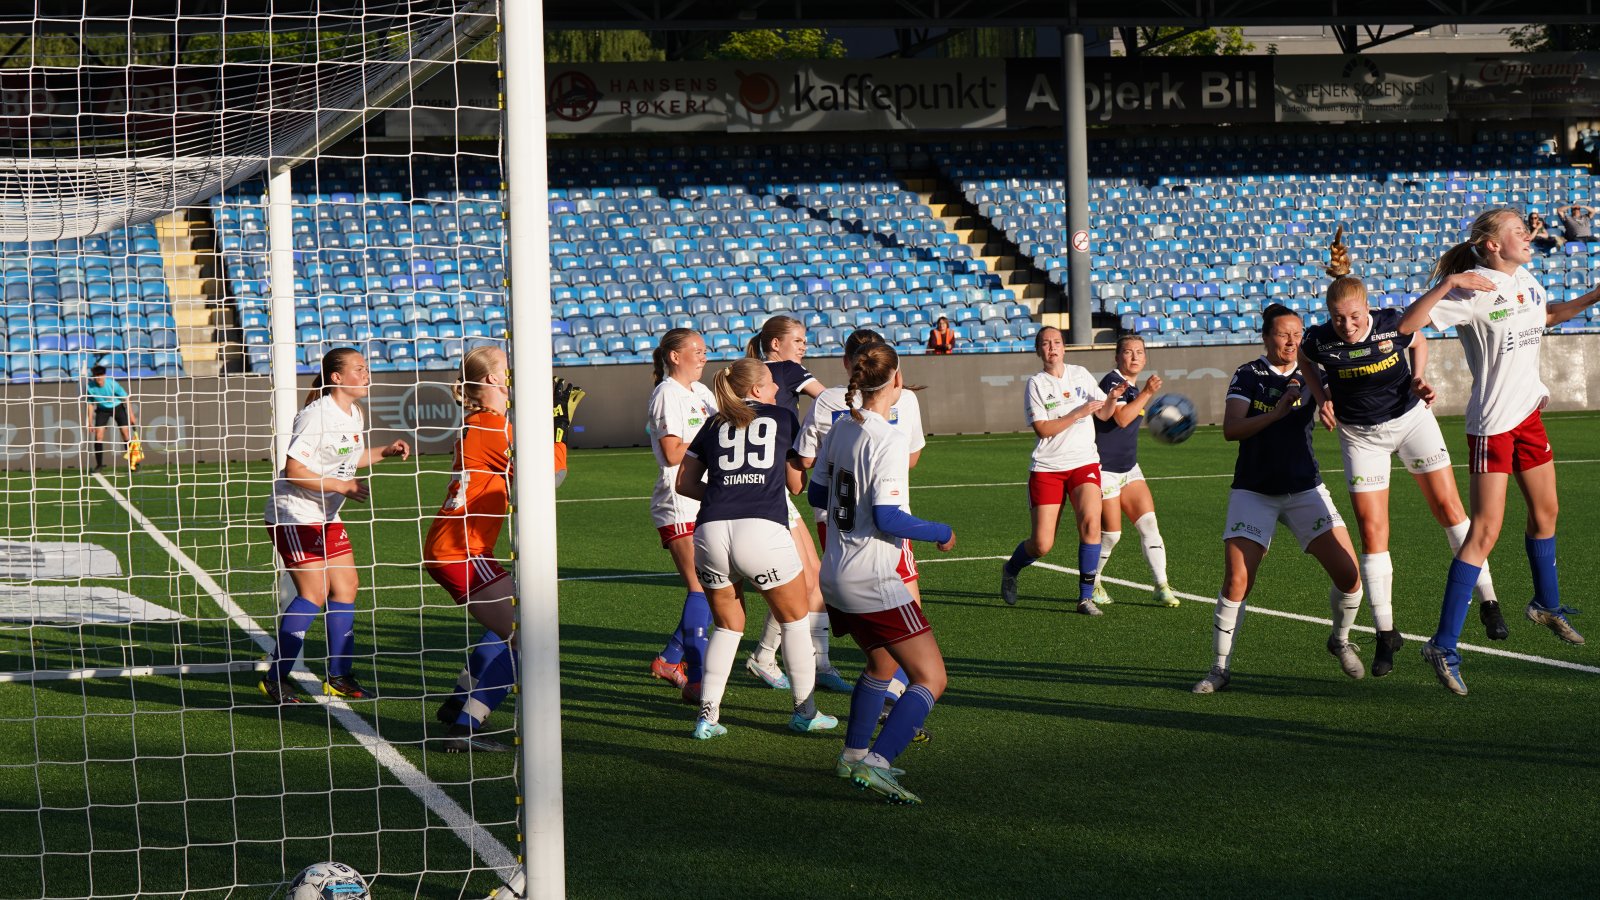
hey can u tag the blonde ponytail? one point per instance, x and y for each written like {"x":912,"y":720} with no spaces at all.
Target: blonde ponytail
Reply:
{"x":732,"y":385}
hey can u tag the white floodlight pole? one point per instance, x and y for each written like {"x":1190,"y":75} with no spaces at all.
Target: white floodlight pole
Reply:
{"x":534,"y":489}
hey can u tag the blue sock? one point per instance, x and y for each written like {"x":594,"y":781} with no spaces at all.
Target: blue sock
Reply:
{"x":1088,"y":565}
{"x":904,"y":720}
{"x":673,"y":652}
{"x":866,"y":704}
{"x":488,"y":647}
{"x":1019,"y":559}
{"x":492,"y":688}
{"x":693,"y":629}
{"x":293,"y":623}
{"x":341,"y":624}
{"x":1457,"y":598}
{"x":1542,"y":560}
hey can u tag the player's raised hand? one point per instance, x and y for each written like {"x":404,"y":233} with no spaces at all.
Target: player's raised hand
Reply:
{"x":399,"y":448}
{"x":949,"y":545}
{"x":1089,"y":408}
{"x":1152,"y":384}
{"x":1470,"y":281}
{"x":1325,"y":412}
{"x":1291,"y":396}
{"x":1423,"y":390}
{"x":1338,"y":255}
{"x":356,"y":489}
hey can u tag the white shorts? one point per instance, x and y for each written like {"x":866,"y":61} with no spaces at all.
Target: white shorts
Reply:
{"x":1309,"y":515}
{"x":759,"y":551}
{"x":1112,"y":483}
{"x":794,"y":513}
{"x":1414,"y":437}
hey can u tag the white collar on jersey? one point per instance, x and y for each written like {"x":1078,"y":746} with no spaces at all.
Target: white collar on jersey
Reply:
{"x":1288,"y":370}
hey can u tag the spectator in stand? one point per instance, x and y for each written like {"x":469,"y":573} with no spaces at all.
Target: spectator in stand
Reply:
{"x":1539,"y":233}
{"x":1577,"y":222}
{"x":942,"y":339}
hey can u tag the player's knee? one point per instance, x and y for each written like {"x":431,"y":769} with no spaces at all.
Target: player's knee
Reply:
{"x":1041,"y":545}
{"x":936,"y":683}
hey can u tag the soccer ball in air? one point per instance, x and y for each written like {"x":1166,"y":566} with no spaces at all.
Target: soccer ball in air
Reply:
{"x":328,"y":881}
{"x":1171,"y":418}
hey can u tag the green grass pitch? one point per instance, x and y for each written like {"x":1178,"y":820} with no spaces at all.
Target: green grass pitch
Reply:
{"x":1069,"y":757}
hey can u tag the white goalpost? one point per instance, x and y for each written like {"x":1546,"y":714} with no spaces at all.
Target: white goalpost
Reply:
{"x":202,"y":206}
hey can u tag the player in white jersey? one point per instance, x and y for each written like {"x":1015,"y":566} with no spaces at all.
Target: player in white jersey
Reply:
{"x":738,"y":467}
{"x":1500,"y":312}
{"x":781,"y":344}
{"x":318,"y":474}
{"x":866,"y":466}
{"x":679,"y":406}
{"x":1367,"y":382}
{"x":906,"y":415}
{"x":1059,"y":402}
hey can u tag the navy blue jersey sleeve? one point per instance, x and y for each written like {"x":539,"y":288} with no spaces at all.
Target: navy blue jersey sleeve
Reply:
{"x":698,"y":447}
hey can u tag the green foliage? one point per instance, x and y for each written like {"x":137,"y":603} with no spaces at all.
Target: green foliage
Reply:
{"x":990,"y":43}
{"x":600,"y":46}
{"x":1227,"y":41}
{"x":779,"y":43}
{"x":1554,"y":38}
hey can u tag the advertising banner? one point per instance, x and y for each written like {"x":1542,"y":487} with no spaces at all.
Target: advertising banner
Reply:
{"x":1153,"y":90}
{"x":629,"y":97}
{"x":1531,"y":85}
{"x":1380,"y":88}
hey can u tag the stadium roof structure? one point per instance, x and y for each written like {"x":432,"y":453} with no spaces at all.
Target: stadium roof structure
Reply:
{"x":737,"y":14}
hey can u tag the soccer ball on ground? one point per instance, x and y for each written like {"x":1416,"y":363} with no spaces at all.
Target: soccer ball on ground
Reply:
{"x":328,"y":881}
{"x":1171,"y":418}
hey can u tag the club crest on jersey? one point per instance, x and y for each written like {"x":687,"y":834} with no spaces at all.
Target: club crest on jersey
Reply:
{"x":1521,"y":298}
{"x":1386,"y":347}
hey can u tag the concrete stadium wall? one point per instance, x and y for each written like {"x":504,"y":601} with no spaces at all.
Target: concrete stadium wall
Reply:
{"x":202,"y":420}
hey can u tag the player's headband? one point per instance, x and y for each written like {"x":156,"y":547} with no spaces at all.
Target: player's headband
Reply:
{"x":889,"y":381}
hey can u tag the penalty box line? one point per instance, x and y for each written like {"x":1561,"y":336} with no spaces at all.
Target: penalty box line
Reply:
{"x":494,"y":854}
{"x":1297,"y":617}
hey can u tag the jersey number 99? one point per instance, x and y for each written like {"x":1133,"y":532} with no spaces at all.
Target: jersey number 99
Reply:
{"x":752,"y":447}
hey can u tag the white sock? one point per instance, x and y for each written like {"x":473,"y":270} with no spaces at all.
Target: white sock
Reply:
{"x":877,"y":760}
{"x":1377,"y":573}
{"x":819,"y":640}
{"x":850,"y":755}
{"x":1108,"y":542}
{"x":1225,"y":626}
{"x":802,"y":665}
{"x":1155,"y":550}
{"x":1345,"y":609}
{"x":720,"y":651}
{"x":771,"y":637}
{"x":1457,"y":534}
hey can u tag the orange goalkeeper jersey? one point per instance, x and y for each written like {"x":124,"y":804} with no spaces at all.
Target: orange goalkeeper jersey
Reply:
{"x":474,"y":509}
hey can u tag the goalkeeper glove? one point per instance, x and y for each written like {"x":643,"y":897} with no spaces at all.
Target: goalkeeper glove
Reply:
{"x":567,"y":396}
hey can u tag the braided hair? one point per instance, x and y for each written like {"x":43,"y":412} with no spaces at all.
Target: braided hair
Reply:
{"x":871,"y":371}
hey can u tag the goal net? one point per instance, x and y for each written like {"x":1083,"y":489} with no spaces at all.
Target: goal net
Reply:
{"x":196,"y":206}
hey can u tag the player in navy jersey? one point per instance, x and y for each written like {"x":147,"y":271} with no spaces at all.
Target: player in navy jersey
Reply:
{"x":1122,"y":484}
{"x":738,"y":466}
{"x":1500,"y":312}
{"x":866,"y":492}
{"x":1059,"y":402}
{"x":781,"y":344}
{"x":1377,"y":398}
{"x":1276,"y":480}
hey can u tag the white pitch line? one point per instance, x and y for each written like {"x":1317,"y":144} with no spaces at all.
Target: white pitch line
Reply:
{"x":1298,"y":617}
{"x":488,"y":848}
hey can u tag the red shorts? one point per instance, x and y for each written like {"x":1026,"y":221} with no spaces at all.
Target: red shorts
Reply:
{"x":670,"y":533}
{"x":301,"y":545}
{"x":906,"y":567}
{"x":879,"y":629}
{"x":1518,"y":450}
{"x":463,"y":579}
{"x":1055,"y":488}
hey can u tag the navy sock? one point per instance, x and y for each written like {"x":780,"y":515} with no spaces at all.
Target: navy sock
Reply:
{"x":1542,"y":560}
{"x":1088,"y":565}
{"x":488,"y":647}
{"x":293,"y":623}
{"x":1457,"y":598}
{"x":491,"y":690}
{"x":904,"y":720}
{"x":866,"y":704}
{"x":1019,"y":559}
{"x":672,"y":653}
{"x":694,"y":628}
{"x":341,"y":624}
